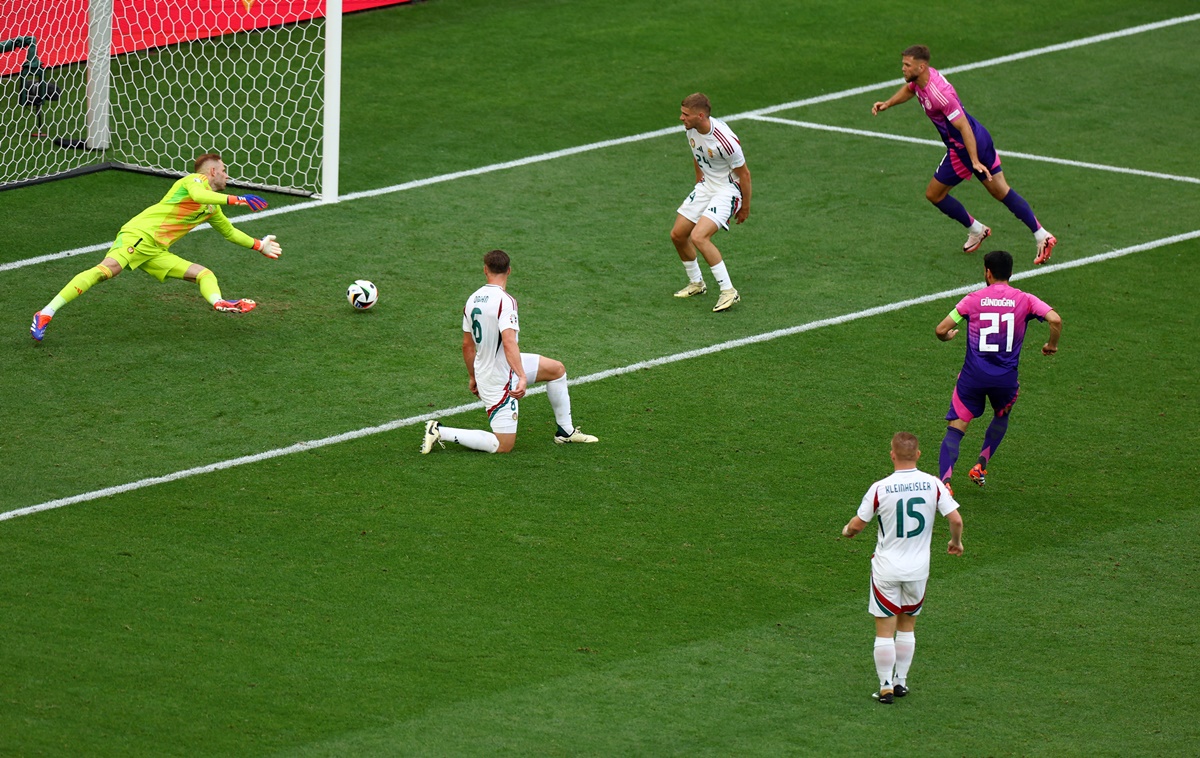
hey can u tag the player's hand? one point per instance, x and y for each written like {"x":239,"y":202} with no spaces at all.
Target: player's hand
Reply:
{"x":1048,"y":349}
{"x":519,"y":391}
{"x":254,"y":202}
{"x":877,"y":107}
{"x":268,"y":247}
{"x":743,"y":212}
{"x":950,"y":335}
{"x":982,"y":169}
{"x":954,"y":548}
{"x":473,"y":387}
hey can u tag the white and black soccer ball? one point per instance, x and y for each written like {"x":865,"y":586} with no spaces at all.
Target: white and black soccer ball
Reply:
{"x":362,"y":294}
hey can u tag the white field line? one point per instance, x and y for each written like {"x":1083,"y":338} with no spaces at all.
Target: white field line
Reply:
{"x":1002,"y":153}
{"x":245,"y":218}
{"x":1107,"y":36}
{"x":300,"y":447}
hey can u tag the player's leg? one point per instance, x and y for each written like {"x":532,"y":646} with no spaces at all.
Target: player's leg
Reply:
{"x":949,"y":174}
{"x":1002,"y":400}
{"x":474,"y":439}
{"x":715,"y":217}
{"x":79,"y":284}
{"x":175,"y":267}
{"x":1020,"y":208}
{"x":681,"y":238}
{"x":965,"y":404}
{"x":884,"y":604}
{"x":502,"y":417}
{"x":906,"y":647}
{"x":913,"y":596}
{"x":539,"y":368}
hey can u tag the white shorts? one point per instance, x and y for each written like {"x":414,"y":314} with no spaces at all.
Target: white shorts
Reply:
{"x":499,"y":405}
{"x":719,"y":204}
{"x":891,"y":598}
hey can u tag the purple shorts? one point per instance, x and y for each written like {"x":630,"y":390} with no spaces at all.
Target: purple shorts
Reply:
{"x":956,"y":166}
{"x":967,"y":401}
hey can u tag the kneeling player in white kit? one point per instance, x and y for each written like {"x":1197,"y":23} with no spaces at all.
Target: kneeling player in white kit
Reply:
{"x":905,"y":503}
{"x":500,"y":373}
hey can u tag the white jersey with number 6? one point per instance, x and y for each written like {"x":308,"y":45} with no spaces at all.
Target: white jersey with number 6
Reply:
{"x":905,"y":504}
{"x":489,"y":311}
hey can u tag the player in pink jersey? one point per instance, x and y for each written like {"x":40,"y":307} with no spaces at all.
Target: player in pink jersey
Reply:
{"x":996,"y":317}
{"x":969,"y":150}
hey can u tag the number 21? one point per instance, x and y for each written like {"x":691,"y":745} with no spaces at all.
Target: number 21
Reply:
{"x":991,"y":326}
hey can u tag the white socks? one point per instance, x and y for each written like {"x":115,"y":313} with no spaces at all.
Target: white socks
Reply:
{"x":1041,"y":235}
{"x":560,"y":401}
{"x":906,"y":645}
{"x":719,"y":274}
{"x":718,"y":271}
{"x":475,"y":439}
{"x":975,"y":227}
{"x":722,"y":276}
{"x":885,"y":660}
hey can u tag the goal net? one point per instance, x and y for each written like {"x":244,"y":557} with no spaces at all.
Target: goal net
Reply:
{"x":148,"y":85}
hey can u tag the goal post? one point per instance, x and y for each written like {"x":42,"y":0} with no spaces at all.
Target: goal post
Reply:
{"x":333,"y":101}
{"x":100,"y":13}
{"x":147,"y":85}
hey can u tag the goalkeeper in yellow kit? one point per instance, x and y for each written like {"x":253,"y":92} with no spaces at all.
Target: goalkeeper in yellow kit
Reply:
{"x":144,"y":242}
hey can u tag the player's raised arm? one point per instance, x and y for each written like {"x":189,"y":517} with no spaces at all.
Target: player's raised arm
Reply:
{"x":1055,"y":322}
{"x":903,"y":95}
{"x":201,"y":194}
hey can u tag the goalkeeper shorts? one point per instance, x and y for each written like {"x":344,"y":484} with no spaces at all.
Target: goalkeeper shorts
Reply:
{"x":134,"y":250}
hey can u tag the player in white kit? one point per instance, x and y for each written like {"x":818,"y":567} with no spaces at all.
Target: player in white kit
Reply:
{"x":905,"y":504}
{"x":722,"y":191}
{"x":499,"y":372}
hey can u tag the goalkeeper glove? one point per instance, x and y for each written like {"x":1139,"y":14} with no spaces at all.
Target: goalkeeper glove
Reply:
{"x":268,"y":246}
{"x":255,"y":202}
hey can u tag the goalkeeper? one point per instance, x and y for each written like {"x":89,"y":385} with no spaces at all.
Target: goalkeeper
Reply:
{"x":144,"y":242}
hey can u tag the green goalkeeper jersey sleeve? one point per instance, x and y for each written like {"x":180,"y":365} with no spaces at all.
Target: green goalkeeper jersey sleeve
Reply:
{"x":189,"y":203}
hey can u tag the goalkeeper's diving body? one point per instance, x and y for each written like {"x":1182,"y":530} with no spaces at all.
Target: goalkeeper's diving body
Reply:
{"x":144,"y":242}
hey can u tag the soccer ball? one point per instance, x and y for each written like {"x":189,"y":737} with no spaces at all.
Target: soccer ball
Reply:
{"x":362,"y":294}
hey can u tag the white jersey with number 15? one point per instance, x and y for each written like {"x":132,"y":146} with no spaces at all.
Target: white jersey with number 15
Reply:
{"x":905,"y":504}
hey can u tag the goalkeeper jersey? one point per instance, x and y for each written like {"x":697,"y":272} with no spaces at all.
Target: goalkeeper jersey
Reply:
{"x":189,"y":203}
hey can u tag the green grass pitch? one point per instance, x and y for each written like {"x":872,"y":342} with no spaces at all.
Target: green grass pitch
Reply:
{"x":679,"y":588}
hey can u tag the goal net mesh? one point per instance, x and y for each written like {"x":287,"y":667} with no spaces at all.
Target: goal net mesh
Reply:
{"x":244,"y":78}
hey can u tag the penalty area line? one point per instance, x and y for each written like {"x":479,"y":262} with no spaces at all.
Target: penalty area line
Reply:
{"x":301,"y":447}
{"x":1002,"y":153}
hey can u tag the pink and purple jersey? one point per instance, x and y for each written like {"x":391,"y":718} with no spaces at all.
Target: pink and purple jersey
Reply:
{"x":942,"y":105}
{"x":996,"y":318}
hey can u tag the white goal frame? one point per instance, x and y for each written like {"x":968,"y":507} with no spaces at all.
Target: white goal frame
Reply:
{"x":98,"y":132}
